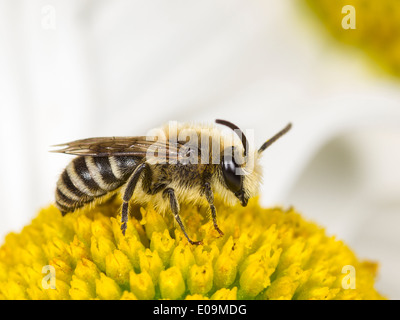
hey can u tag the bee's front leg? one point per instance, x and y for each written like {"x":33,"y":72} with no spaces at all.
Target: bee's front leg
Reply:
{"x":210,"y":198}
{"x":170,"y":193}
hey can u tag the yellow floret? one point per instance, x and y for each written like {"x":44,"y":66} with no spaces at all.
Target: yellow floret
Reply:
{"x":264,"y":254}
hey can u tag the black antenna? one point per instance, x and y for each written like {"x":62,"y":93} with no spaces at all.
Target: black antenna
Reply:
{"x":239,"y":133}
{"x":274,"y":138}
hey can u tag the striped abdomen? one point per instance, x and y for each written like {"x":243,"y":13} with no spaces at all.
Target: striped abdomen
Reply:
{"x":87,"y":178}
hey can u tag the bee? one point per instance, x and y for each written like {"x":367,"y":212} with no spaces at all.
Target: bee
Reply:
{"x":188,"y":172}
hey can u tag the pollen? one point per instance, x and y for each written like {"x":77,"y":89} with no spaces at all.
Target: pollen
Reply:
{"x":265,"y":253}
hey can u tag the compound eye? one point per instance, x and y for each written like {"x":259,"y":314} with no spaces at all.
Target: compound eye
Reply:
{"x":232,"y":180}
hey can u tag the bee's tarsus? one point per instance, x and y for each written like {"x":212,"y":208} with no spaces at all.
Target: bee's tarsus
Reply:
{"x":221,"y":234}
{"x":123,"y":228}
{"x":124,"y":216}
{"x":170,"y":193}
{"x":196,"y":243}
{"x":210,"y":199}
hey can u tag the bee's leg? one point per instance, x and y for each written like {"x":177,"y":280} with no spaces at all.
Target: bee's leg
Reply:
{"x":169,"y":192}
{"x":210,"y":198}
{"x":130,"y":188}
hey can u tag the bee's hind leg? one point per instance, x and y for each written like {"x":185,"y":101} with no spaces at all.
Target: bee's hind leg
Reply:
{"x":170,"y":193}
{"x":130,"y":188}
{"x":210,"y":199}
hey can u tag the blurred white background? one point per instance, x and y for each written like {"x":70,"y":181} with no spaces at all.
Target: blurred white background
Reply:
{"x":76,"y":69}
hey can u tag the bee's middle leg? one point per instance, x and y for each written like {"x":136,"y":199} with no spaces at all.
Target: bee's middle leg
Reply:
{"x":170,"y":193}
{"x":210,"y":199}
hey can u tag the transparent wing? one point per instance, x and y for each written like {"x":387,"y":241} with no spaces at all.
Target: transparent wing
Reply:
{"x":121,"y":146}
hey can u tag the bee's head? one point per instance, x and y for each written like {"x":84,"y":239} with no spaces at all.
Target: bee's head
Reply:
{"x":231,"y":173}
{"x":240,"y":169}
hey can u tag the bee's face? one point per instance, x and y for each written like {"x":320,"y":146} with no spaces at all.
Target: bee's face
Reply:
{"x":233,"y":179}
{"x":243,"y":179}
